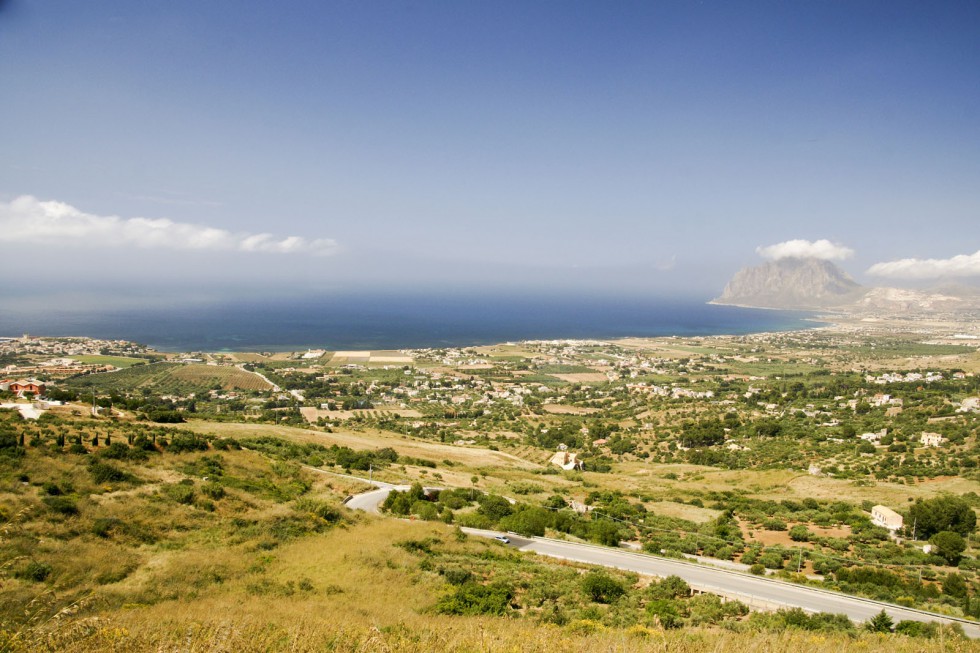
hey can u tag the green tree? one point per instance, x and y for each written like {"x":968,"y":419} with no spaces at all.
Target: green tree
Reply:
{"x":955,"y":585}
{"x":880,"y":623}
{"x":600,"y":587}
{"x":494,"y":507}
{"x":950,"y":546}
{"x":945,"y":513}
{"x":529,"y":521}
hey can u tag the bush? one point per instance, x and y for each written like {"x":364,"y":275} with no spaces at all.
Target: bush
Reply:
{"x":916,"y":629}
{"x":600,"y":587}
{"x":319,"y":510}
{"x":121,"y":451}
{"x":103,"y":527}
{"x":106,"y":473}
{"x":213,"y":490}
{"x":672,"y":587}
{"x":474,"y":599}
{"x":61,"y":505}
{"x":772,"y":560}
{"x":799,"y":533}
{"x":180,"y":493}
{"x":34,"y":571}
{"x":457,"y":576}
{"x":187,"y":442}
{"x":667,"y":612}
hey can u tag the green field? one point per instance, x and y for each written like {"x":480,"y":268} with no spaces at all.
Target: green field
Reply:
{"x":116,"y":361}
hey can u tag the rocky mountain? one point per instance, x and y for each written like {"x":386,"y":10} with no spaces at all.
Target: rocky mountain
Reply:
{"x":945,"y":300}
{"x":792,"y":283}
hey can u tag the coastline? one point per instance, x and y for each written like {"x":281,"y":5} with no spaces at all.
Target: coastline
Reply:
{"x":408,"y":324}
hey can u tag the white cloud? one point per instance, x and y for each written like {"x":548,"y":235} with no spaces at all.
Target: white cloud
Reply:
{"x":963,"y":265}
{"x":29,"y":220}
{"x":822,"y":249}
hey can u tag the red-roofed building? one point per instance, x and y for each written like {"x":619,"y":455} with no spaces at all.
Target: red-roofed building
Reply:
{"x":27,"y":385}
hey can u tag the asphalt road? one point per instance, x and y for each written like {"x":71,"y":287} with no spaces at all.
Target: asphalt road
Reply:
{"x":755,"y":591}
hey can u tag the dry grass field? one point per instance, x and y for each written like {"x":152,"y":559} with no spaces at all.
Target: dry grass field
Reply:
{"x":355,"y":588}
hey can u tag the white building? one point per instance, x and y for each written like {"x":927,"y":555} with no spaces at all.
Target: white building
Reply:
{"x":886,"y":518}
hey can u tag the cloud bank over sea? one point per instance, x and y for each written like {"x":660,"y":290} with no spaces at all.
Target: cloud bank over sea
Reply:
{"x":28,"y":220}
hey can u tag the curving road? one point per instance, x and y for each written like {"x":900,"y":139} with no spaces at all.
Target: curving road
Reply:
{"x":755,"y":591}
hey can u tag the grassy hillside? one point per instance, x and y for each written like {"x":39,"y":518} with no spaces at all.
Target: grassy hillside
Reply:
{"x":170,"y":540}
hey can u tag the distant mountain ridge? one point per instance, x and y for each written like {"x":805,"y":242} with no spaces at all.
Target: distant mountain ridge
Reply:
{"x":792,"y":283}
{"x":817,"y":284}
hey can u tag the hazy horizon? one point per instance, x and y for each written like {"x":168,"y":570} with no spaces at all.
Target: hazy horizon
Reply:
{"x":204,"y":152}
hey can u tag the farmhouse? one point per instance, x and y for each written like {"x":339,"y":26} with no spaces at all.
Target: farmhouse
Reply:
{"x":566,"y":460}
{"x":886,"y":517}
{"x":931,"y":439}
{"x":875,"y":436}
{"x":22,"y":386}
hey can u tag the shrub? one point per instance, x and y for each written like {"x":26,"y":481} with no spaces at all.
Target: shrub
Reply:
{"x":62,"y":505}
{"x":474,"y":599}
{"x":182,"y":442}
{"x":103,"y":527}
{"x":320,"y":510}
{"x":180,"y":493}
{"x":121,"y":451}
{"x":916,"y":629}
{"x":672,"y":587}
{"x":666,"y":611}
{"x":602,"y":588}
{"x":106,"y":473}
{"x":35,"y":571}
{"x":213,"y":490}
{"x":457,"y":576}
{"x":799,"y":533}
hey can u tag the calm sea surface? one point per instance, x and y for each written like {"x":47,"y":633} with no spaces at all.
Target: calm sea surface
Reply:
{"x":377,"y":322}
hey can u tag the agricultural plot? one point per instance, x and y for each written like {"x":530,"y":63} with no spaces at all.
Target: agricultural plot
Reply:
{"x":173,"y":378}
{"x":116,"y":361}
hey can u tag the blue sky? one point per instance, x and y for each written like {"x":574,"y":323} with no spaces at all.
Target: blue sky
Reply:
{"x":642,"y":148}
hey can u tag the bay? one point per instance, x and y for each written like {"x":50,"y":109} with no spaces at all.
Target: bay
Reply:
{"x":377,"y":321}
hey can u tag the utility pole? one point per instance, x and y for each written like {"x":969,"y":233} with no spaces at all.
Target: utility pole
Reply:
{"x":370,"y":473}
{"x":799,"y":563}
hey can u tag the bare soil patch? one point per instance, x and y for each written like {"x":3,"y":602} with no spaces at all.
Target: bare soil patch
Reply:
{"x":560,"y":409}
{"x":582,"y":377}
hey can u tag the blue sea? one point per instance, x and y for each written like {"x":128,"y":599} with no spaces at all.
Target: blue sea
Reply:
{"x":389,"y":322}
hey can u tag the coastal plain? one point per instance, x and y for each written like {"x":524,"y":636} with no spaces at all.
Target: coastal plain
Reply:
{"x":197,"y":500}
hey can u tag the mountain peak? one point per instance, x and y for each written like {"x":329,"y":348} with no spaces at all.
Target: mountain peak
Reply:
{"x":799,"y":283}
